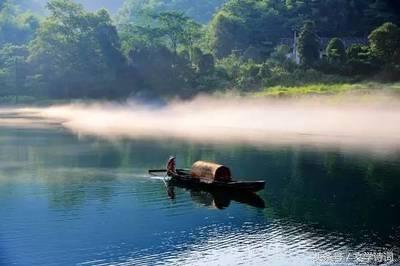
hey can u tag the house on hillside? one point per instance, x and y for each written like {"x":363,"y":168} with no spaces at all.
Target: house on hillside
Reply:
{"x":294,"y":54}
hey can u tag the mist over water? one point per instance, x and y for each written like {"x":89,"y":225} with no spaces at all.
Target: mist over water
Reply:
{"x":321,"y":122}
{"x":321,"y":200}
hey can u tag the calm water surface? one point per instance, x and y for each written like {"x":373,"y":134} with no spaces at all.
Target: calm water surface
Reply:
{"x":67,"y":200}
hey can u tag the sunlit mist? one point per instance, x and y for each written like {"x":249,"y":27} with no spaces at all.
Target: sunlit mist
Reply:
{"x":221,"y":120}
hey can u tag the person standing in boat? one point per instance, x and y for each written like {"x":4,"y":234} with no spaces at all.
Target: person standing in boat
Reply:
{"x":171,"y":166}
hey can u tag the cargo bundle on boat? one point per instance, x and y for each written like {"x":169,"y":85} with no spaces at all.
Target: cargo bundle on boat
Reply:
{"x":210,"y":172}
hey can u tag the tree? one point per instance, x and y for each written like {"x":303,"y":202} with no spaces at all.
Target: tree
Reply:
{"x":336,"y":51}
{"x":308,"y":45}
{"x":280,"y":53}
{"x":178,"y":28}
{"x":379,"y":12}
{"x":164,"y":53}
{"x":204,"y":63}
{"x":385,"y":43}
{"x":159,"y":71}
{"x":227,"y":34}
{"x":243,"y":24}
{"x":171,"y":29}
{"x":12,"y":69}
{"x":358,"y":52}
{"x":16,"y":27}
{"x":76,"y":53}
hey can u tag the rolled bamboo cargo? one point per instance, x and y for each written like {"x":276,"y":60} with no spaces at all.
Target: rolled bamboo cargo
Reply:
{"x":210,"y":172}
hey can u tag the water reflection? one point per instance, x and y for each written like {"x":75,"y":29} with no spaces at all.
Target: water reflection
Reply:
{"x":74,"y":200}
{"x":219,"y":199}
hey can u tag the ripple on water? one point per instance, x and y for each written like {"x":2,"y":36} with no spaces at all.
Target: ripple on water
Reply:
{"x":80,"y":201}
{"x":251,"y":244}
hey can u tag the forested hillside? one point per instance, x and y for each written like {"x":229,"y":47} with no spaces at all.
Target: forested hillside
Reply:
{"x":151,"y":49}
{"x":244,"y":23}
{"x":200,"y":11}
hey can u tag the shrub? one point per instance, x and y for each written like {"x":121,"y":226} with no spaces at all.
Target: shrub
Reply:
{"x":336,"y":51}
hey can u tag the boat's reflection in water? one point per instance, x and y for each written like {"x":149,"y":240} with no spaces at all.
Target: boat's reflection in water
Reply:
{"x":217,"y":198}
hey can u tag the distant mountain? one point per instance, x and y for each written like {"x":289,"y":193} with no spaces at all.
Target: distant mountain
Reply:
{"x":33,"y":5}
{"x":111,"y":5}
{"x":199,"y":10}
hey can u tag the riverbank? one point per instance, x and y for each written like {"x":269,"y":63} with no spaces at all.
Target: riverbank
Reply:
{"x":370,"y":88}
{"x":368,"y":91}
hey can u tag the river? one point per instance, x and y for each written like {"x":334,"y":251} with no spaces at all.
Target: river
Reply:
{"x":71,"y":199}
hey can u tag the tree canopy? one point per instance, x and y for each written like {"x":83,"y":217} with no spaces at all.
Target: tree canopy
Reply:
{"x":336,"y":51}
{"x":17,"y":26}
{"x":385,"y":43}
{"x":75,"y":49}
{"x":163,"y":47}
{"x":308,"y":45}
{"x":261,"y":23}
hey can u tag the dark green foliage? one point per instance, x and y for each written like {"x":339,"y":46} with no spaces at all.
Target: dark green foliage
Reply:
{"x":336,"y":51}
{"x":159,"y":49}
{"x":385,"y":43}
{"x":280,"y":53}
{"x":170,"y":29}
{"x":358,"y":52}
{"x":164,"y":57}
{"x":177,"y":28}
{"x":308,"y":45}
{"x":161,"y":71}
{"x":204,"y":63}
{"x":261,"y":23}
{"x":361,"y":67}
{"x":227,"y":35}
{"x":16,"y":27}
{"x":76,"y":53}
{"x":13,"y":69}
{"x":252,"y":76}
{"x":360,"y":61}
{"x":243,"y":24}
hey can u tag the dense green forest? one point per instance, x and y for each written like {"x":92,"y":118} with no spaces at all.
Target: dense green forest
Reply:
{"x":181,"y":48}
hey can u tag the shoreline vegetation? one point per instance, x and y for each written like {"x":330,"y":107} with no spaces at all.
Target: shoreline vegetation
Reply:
{"x":339,"y":92}
{"x":344,"y":89}
{"x":152,"y":49}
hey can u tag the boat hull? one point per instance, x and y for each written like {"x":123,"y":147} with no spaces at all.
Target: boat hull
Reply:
{"x":186,"y":180}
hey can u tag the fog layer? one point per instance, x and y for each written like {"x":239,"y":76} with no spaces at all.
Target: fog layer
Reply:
{"x":222,"y":120}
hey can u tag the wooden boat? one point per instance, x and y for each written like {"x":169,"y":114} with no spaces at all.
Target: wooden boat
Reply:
{"x":188,"y":180}
{"x":210,"y":176}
